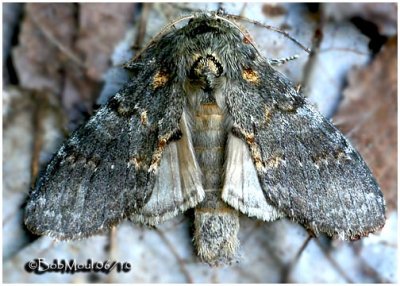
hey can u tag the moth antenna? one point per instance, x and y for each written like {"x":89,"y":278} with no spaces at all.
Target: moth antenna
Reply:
{"x":272,"y":28}
{"x":236,"y":26}
{"x":281,"y":61}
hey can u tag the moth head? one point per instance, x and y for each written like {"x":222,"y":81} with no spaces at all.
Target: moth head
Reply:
{"x":218,"y":48}
{"x":205,"y":71}
{"x":205,"y":24}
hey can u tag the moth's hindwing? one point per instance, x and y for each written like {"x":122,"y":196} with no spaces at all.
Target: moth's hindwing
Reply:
{"x":306,"y":167}
{"x":107,"y":169}
{"x":242,"y":189}
{"x":178,"y":184}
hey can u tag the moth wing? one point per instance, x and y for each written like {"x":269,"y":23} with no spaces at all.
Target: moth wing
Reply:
{"x":305,"y":166}
{"x":178,"y":186}
{"x":242,"y":189}
{"x":108,"y":168}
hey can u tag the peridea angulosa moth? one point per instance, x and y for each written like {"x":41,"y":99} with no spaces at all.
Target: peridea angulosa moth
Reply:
{"x":205,"y":122}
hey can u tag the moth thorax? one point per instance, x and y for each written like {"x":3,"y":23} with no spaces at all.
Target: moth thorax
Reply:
{"x":204,"y":72}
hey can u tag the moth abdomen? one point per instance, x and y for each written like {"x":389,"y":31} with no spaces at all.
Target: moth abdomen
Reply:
{"x":216,"y":223}
{"x":216,"y":229}
{"x":209,"y":139}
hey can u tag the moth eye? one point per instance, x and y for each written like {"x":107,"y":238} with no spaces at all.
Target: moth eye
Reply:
{"x":190,"y":21}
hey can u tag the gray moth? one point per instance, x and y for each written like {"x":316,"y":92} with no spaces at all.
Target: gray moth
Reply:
{"x":206,"y":122}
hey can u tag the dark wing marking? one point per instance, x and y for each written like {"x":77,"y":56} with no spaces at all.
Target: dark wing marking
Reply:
{"x":107,"y":169}
{"x":306,"y":167}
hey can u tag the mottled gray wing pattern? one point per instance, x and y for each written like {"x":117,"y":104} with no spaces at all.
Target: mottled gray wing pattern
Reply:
{"x":306,"y":167}
{"x":107,"y":169}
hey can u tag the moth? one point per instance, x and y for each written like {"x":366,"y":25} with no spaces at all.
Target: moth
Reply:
{"x":206,"y":122}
